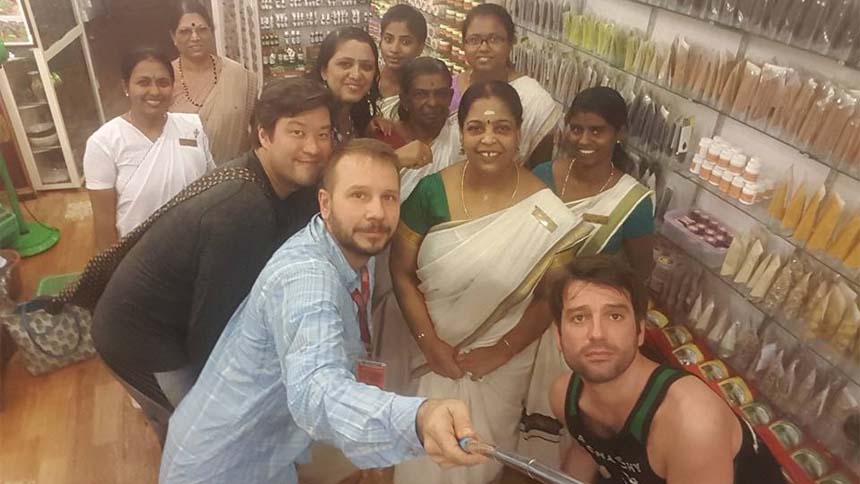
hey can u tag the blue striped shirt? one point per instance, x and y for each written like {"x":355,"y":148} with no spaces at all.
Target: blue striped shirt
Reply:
{"x":282,"y":375}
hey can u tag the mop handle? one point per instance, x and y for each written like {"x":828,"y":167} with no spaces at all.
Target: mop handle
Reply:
{"x":526,"y":465}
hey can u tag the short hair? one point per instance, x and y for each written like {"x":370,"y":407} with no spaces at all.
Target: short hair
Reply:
{"x":131,"y":59}
{"x":420,"y":66}
{"x":284,"y":98}
{"x":415,"y":23}
{"x":605,"y":270}
{"x":183,"y":7}
{"x":370,"y":147}
{"x":490,"y":10}
{"x":489,"y":89}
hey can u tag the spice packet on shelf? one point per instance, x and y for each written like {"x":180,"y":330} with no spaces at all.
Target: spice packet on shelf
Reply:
{"x":768,"y":95}
{"x":813,"y":313}
{"x":797,"y":297}
{"x":703,"y":322}
{"x":782,"y":108}
{"x":750,"y":77}
{"x":846,"y":340}
{"x":808,"y":95}
{"x":836,"y":117}
{"x":728,"y":90}
{"x":815,"y":118}
{"x":715,"y":335}
{"x":747,"y":345}
{"x":781,"y":286}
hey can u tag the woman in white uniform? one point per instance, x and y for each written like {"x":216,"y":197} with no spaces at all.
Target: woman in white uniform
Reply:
{"x":138,"y":161}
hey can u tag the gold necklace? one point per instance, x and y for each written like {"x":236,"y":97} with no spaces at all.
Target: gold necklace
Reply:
{"x":570,"y":168}
{"x":463,"y":185}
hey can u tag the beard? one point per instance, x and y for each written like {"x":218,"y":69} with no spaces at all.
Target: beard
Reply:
{"x":600,"y":372}
{"x":348,"y":240}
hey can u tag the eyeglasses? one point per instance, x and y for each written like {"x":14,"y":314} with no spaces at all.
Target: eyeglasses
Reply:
{"x":186,"y":32}
{"x":491,"y":40}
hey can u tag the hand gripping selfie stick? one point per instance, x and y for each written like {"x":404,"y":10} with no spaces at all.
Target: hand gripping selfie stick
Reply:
{"x":526,"y":465}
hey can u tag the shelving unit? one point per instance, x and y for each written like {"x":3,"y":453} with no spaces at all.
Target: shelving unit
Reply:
{"x":53,"y":83}
{"x":661,"y":25}
{"x":291,"y":31}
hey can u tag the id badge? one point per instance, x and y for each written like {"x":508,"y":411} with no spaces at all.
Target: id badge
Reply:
{"x":191,"y":142}
{"x":595,"y":218}
{"x":370,"y":372}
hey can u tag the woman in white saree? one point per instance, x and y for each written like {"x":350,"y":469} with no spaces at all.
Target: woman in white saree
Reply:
{"x":589,"y":176}
{"x":473,"y":243}
{"x":138,"y":161}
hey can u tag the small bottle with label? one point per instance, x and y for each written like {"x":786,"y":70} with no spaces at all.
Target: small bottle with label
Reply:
{"x":705,"y":171}
{"x":716,"y":176}
{"x":738,"y":163}
{"x":737,"y":187}
{"x":726,"y":181}
{"x":696,"y":164}
{"x":749,"y":193}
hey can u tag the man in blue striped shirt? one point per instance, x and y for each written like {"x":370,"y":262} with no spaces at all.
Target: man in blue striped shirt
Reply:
{"x":283,"y":372}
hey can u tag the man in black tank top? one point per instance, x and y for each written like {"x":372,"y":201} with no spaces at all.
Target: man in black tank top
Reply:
{"x":633,"y":421}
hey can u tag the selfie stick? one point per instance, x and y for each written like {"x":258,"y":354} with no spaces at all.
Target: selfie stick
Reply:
{"x":526,"y":465}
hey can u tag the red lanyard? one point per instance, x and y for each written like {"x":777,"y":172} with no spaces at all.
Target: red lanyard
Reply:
{"x":361,"y":299}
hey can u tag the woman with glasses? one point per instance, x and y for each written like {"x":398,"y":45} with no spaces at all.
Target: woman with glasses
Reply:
{"x":219,"y":89}
{"x":488,"y":38}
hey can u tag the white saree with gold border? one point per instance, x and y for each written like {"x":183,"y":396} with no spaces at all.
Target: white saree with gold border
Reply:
{"x":477,"y":278}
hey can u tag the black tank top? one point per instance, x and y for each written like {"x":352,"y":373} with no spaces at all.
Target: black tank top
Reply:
{"x":623,"y":458}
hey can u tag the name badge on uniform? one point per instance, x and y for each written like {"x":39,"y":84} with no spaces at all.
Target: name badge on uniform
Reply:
{"x":544,"y":219}
{"x":370,"y":372}
{"x":595,"y":218}
{"x":188,"y":142}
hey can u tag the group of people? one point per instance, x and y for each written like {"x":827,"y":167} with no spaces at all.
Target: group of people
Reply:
{"x":254,"y":308}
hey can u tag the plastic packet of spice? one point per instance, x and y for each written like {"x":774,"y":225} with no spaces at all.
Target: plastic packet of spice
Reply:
{"x":729,"y":89}
{"x":755,"y":19}
{"x":775,"y":17}
{"x":747,"y":344}
{"x":812,"y":19}
{"x":750,"y":77}
{"x":713,"y":10}
{"x":769,"y":94}
{"x":810,"y":93}
{"x":843,"y":37}
{"x":681,"y":69}
{"x":728,"y":13}
{"x":835,"y":120}
{"x":777,"y":120}
{"x":792,"y":20}
{"x":815,"y":118}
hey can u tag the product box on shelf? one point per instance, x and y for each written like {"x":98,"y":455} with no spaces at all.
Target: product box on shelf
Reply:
{"x":700,"y":234}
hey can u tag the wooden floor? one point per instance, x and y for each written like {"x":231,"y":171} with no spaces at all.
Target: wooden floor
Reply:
{"x":77,"y":425}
